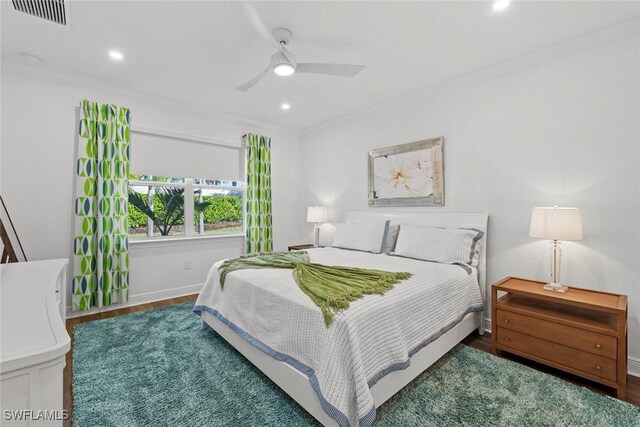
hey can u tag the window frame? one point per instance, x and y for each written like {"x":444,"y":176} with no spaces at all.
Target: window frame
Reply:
{"x":190,"y":233}
{"x":189,"y":194}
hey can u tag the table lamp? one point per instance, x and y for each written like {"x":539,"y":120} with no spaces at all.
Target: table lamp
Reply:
{"x":317,"y":215}
{"x":556,"y":224}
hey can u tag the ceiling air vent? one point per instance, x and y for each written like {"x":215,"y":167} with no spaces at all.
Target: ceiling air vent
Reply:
{"x":51,"y":10}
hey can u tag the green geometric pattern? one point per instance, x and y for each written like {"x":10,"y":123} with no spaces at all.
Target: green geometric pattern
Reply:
{"x":101,"y":244}
{"x":259,"y":223}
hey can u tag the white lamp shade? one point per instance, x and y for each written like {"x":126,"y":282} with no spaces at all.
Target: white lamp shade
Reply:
{"x":556,"y":223}
{"x":316,"y":214}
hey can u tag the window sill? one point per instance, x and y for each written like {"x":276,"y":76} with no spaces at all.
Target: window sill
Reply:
{"x":184,"y":240}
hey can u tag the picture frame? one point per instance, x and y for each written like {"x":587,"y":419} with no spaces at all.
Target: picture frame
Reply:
{"x":408,"y":174}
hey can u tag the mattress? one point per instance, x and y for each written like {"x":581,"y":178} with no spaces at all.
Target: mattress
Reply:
{"x":375,"y":336}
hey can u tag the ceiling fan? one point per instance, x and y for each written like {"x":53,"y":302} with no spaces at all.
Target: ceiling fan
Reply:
{"x":283,"y":62}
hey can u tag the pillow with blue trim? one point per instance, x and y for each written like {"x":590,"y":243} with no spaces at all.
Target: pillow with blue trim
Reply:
{"x":361,"y":236}
{"x":443,"y":245}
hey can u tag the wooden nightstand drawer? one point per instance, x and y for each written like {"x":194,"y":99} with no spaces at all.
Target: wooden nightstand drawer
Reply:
{"x":592,"y":342}
{"x":558,"y":354}
{"x":582,"y":331}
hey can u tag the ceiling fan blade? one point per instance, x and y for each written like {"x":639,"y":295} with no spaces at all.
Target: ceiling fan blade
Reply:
{"x":343,"y":70}
{"x":253,"y":16}
{"x":248,"y":85}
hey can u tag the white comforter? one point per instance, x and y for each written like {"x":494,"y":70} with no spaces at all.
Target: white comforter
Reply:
{"x":375,"y":335}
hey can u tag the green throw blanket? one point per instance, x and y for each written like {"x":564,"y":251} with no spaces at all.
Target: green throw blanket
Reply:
{"x":331,"y":288}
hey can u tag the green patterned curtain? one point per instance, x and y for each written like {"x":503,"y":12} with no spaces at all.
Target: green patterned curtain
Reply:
{"x":258,"y":216}
{"x":101,"y":245}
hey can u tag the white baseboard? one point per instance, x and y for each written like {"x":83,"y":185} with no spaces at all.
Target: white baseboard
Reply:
{"x":487,"y":324}
{"x":633,"y":363}
{"x":633,"y":366}
{"x":141,"y":299}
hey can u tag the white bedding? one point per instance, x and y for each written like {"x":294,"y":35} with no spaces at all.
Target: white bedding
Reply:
{"x":376,"y":335}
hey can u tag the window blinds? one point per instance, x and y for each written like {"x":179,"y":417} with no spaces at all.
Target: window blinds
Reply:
{"x":153,"y":154}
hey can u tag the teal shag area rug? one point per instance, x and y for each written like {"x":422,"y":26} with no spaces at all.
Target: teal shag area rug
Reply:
{"x":159,"y":368}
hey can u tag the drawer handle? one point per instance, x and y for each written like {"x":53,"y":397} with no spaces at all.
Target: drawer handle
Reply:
{"x":57,"y":291}
{"x":598,"y":367}
{"x":506,"y":320}
{"x":507,"y":339}
{"x":598,"y":345}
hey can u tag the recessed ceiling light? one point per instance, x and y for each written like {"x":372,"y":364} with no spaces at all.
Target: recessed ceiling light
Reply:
{"x":500,"y":5}
{"x":285,"y":106}
{"x":115,"y":55}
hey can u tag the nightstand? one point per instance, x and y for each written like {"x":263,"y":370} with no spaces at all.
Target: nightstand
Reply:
{"x":583,"y":332}
{"x":300,"y":247}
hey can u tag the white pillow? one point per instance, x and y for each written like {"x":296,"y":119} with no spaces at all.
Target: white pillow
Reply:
{"x":361,"y":236}
{"x":391,"y":235}
{"x":444,"y":245}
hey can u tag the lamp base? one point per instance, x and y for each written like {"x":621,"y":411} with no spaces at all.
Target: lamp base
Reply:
{"x":316,"y":235}
{"x":556,"y":287}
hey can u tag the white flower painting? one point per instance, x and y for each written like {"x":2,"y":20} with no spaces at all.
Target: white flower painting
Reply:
{"x":409,"y":174}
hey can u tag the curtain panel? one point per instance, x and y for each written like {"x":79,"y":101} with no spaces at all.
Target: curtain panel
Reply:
{"x":101,"y":245}
{"x":258,"y":218}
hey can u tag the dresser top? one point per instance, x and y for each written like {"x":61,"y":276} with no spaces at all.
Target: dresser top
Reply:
{"x":577,"y":297}
{"x":31,"y":327}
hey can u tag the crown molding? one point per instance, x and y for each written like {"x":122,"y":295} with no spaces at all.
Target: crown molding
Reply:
{"x":548,"y":54}
{"x":89,"y":83}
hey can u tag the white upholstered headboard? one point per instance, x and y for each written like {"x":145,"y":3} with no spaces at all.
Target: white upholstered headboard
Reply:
{"x":436,"y":219}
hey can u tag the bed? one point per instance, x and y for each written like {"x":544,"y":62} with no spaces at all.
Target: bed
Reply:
{"x":372,"y":350}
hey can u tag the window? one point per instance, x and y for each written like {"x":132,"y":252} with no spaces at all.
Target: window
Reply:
{"x":161,"y":206}
{"x":166,"y":200}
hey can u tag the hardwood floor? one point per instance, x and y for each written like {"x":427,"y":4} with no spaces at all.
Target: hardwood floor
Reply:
{"x":480,"y":342}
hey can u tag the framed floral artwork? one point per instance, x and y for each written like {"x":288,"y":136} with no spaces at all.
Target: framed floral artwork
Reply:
{"x":407,"y":175}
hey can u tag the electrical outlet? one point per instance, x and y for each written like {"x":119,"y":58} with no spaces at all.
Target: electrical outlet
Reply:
{"x":187,"y":265}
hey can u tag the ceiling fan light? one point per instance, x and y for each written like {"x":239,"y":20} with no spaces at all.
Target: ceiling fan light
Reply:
{"x":500,"y":5}
{"x":284,"y":70}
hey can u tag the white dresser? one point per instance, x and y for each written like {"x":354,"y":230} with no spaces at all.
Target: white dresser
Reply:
{"x":33,"y":341}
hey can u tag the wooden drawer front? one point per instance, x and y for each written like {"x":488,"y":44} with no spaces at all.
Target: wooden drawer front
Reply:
{"x":590,"y":363}
{"x":592,"y":342}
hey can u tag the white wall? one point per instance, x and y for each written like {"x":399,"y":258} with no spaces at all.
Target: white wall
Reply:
{"x":565,"y":132}
{"x":37,"y":176}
